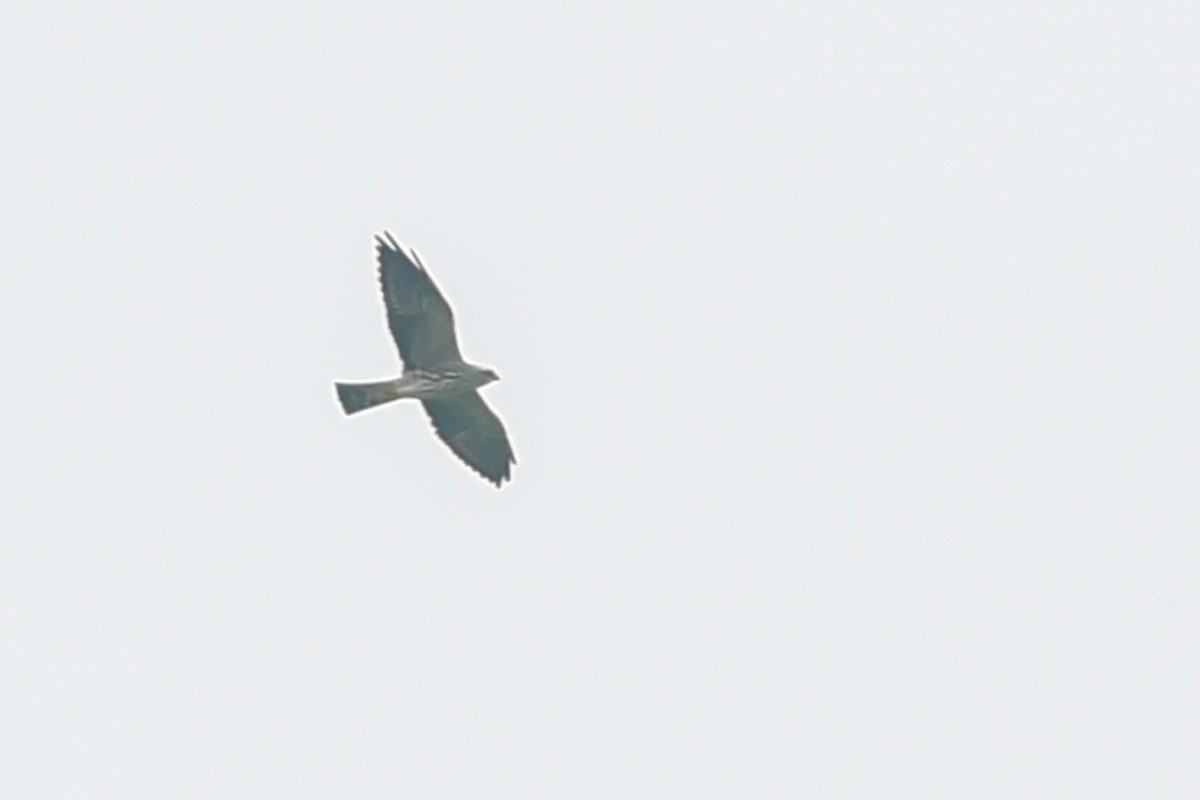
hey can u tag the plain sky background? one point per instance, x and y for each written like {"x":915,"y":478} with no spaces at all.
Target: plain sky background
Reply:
{"x":849,"y":351}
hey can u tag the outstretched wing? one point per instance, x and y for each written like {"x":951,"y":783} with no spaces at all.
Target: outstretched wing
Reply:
{"x":474,"y":433}
{"x":418,"y":315}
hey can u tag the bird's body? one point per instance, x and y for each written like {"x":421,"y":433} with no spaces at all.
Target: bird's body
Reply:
{"x":416,"y":384}
{"x":435,"y":373}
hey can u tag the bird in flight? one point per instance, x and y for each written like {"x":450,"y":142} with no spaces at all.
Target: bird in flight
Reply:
{"x":434,"y":372}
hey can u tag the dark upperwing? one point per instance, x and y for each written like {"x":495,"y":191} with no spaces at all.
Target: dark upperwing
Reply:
{"x":475,"y":434}
{"x":418,"y":315}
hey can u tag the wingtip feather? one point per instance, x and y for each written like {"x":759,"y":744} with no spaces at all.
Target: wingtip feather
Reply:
{"x":385,"y":241}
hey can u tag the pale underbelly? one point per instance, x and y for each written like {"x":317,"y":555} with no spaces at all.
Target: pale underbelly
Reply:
{"x":423,"y":387}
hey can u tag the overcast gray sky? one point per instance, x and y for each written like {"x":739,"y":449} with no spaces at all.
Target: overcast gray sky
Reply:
{"x":849,"y":352}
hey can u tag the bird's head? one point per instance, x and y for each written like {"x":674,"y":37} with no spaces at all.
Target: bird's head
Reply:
{"x":482,"y":376}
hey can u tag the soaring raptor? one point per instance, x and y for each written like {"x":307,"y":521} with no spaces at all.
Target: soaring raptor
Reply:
{"x":434,"y":370}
